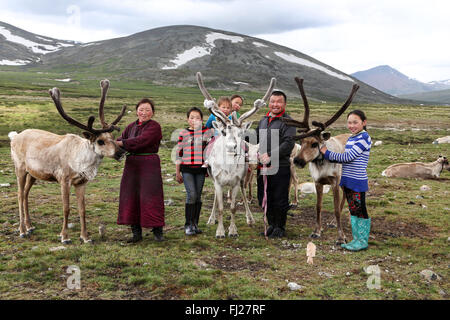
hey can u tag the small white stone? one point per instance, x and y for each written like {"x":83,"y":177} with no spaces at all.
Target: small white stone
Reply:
{"x":425,"y":188}
{"x":70,"y":225}
{"x":57,"y":248}
{"x":294,"y":286}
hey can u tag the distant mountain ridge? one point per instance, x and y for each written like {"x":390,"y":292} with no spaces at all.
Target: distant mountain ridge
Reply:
{"x":20,"y":47}
{"x":391,"y":81}
{"x":172,"y":55}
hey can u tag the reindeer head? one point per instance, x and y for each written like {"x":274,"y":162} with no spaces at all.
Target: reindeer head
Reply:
{"x":233,"y":130}
{"x":444,"y":161}
{"x":313,"y":139}
{"x":102,"y":140}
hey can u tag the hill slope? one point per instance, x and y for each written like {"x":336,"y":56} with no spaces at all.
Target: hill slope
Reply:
{"x":172,"y":55}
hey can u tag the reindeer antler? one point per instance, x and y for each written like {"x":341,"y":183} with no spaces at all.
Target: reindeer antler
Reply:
{"x":104,"y":84}
{"x":214,"y":110}
{"x":259,"y":103}
{"x":56,"y":96}
{"x":304,"y":125}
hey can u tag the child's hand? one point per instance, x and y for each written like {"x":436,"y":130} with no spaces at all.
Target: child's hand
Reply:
{"x":208,"y":104}
{"x":323,"y":149}
{"x":179,"y":178}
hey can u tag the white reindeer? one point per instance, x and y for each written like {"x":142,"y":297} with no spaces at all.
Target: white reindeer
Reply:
{"x":322,"y":171}
{"x":431,"y":170}
{"x":68,"y":159}
{"x":227,"y":158}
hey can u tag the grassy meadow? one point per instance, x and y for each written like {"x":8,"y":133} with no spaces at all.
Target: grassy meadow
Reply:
{"x":410,"y":227}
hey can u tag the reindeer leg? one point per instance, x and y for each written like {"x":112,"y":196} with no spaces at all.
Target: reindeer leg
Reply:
{"x":337,"y":214}
{"x":317,"y":232}
{"x":212,"y":217}
{"x":294,"y":182}
{"x":220,"y":232}
{"x":65,"y":193}
{"x":248,"y":213}
{"x":21,"y":179}
{"x":232,"y":231}
{"x":248,"y":185}
{"x":80,"y":191}
{"x":29,"y":183}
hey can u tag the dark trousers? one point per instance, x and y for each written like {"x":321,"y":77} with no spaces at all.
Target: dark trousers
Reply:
{"x":277,"y":196}
{"x":356,"y":203}
{"x":194,"y":186}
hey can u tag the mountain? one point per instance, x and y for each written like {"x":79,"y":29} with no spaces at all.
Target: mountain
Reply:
{"x":19,"y":47}
{"x":440,"y":96}
{"x":393,"y":82}
{"x":172,"y":55}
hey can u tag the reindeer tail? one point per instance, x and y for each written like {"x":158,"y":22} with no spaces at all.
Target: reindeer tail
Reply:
{"x":12,"y":134}
{"x":384,"y":173}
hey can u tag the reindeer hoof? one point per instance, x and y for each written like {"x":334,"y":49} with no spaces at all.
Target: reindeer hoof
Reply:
{"x":220,"y":237}
{"x":23,"y":235}
{"x":233,"y":235}
{"x":340,"y":241}
{"x":30,"y":231}
{"x":314,"y":235}
{"x":86,"y":241}
{"x":331,"y":225}
{"x":67,"y":241}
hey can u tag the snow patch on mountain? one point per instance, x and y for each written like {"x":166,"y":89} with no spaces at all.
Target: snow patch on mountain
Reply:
{"x":295,"y":59}
{"x":200,"y":51}
{"x":13,"y":62}
{"x":34,"y":46}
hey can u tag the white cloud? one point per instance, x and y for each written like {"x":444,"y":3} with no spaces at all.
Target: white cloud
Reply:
{"x":351,"y":35}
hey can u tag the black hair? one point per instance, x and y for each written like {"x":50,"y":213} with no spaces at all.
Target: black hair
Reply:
{"x":360,"y":114}
{"x":146,"y":100}
{"x":234,"y":96}
{"x":279,"y":93}
{"x":194,"y":109}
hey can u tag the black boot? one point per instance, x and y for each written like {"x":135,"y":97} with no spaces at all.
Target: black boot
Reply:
{"x":137,"y":233}
{"x":189,"y":223}
{"x":196,"y":217}
{"x":280,"y":225}
{"x":158,"y":233}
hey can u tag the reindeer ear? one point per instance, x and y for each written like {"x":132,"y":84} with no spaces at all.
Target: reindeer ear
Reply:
{"x":89,"y":136}
{"x":325,"y":135}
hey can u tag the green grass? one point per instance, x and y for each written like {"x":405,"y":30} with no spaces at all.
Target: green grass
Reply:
{"x":407,"y":237}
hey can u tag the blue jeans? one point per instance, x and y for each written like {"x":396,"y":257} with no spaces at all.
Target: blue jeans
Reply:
{"x":194,"y":186}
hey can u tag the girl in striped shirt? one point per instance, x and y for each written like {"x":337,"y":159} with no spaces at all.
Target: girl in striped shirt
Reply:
{"x":354,"y":177}
{"x":191,"y":145}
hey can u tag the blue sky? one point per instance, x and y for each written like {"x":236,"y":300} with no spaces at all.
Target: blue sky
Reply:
{"x":350,"y":35}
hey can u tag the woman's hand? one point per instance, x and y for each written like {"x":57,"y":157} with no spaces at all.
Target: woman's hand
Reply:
{"x":179,"y":177}
{"x":323,"y":149}
{"x":119,"y":143}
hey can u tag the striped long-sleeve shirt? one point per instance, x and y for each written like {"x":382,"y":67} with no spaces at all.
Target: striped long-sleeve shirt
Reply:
{"x":354,"y":161}
{"x":191,"y":145}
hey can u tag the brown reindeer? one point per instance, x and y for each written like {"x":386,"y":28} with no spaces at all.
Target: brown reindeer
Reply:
{"x":322,"y":171}
{"x":67,"y":159}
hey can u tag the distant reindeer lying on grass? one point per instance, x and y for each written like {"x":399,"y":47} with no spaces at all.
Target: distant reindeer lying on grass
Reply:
{"x":431,"y":170}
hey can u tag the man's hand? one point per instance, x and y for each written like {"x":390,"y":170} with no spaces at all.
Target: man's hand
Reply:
{"x":264,"y":158}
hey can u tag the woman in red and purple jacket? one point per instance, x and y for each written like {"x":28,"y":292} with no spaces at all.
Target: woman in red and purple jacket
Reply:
{"x":191,"y":145}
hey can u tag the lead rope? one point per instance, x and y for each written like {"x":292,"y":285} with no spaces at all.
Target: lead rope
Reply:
{"x":264,"y":202}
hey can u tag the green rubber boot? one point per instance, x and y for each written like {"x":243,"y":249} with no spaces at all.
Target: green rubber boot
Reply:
{"x":353,"y":220}
{"x":363,"y":235}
